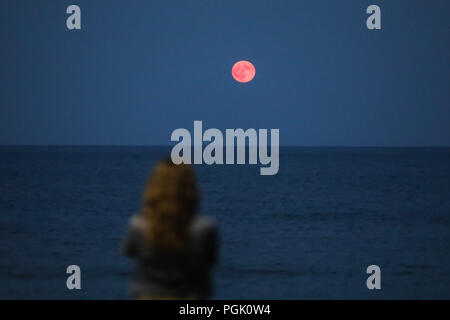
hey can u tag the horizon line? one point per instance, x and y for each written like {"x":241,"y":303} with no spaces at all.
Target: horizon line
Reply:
{"x":281,"y":146}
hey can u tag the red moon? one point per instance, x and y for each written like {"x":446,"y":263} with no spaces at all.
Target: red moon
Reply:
{"x":243,"y":71}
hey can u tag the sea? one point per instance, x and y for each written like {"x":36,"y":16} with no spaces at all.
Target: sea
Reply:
{"x":309,"y":232}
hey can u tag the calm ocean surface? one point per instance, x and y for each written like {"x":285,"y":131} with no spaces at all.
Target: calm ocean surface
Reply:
{"x":308,"y":232}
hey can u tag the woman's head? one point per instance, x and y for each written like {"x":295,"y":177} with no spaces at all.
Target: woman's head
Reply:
{"x":170,"y":203}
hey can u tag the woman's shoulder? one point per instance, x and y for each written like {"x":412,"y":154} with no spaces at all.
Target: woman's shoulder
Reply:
{"x":203,"y":224}
{"x":203,"y":228}
{"x":137,"y":222}
{"x":132,"y":242}
{"x":137,"y":226}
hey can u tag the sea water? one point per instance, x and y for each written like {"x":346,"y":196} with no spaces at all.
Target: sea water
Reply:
{"x":308,"y":232}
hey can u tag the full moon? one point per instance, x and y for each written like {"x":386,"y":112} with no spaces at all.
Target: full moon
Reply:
{"x":243,"y":71}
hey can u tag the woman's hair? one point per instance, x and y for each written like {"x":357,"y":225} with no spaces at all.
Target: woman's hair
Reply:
{"x":170,"y":203}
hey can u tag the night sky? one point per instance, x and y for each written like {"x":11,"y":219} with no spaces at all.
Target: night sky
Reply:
{"x":137,"y":70}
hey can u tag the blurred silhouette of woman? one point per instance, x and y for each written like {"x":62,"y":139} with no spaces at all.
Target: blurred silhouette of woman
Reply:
{"x":174,"y":248}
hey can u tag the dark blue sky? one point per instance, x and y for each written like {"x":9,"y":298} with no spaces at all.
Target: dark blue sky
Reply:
{"x":140,"y":69}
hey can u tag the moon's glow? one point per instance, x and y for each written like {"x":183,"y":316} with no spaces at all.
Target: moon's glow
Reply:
{"x":243,"y":71}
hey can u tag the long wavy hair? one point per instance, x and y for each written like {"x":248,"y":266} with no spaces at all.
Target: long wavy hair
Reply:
{"x":169,"y":203}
